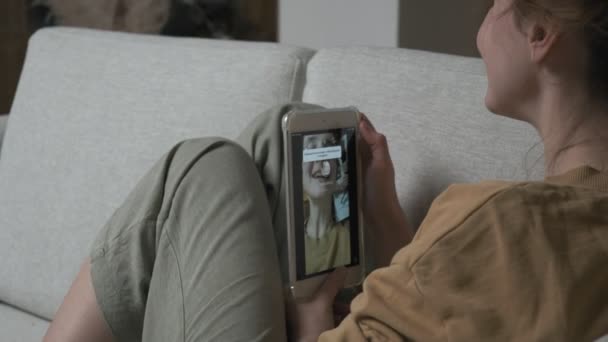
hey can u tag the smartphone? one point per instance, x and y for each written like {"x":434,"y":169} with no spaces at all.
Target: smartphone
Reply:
{"x":323,"y":188}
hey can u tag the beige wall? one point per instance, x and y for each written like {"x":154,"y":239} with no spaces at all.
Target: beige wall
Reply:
{"x":448,"y":26}
{"x":330,"y":23}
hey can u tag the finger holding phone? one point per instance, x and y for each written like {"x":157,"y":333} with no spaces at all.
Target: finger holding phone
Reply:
{"x":388,"y":226}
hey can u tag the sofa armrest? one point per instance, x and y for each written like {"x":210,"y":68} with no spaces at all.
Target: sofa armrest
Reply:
{"x":3,"y":121}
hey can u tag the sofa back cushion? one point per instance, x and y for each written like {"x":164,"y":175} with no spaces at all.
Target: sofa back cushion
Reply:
{"x":431,"y":108}
{"x":3,"y":121}
{"x":93,"y":111}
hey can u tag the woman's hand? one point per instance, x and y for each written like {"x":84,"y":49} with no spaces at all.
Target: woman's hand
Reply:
{"x":308,"y":319}
{"x":378,"y":172}
{"x":390,"y":230}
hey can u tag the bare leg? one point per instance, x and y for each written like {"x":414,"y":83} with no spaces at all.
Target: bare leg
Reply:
{"x":79,"y":318}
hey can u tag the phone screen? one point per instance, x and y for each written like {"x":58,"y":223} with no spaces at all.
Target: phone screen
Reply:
{"x":325,"y":202}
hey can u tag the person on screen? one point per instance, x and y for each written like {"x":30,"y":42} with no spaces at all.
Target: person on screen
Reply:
{"x":327,"y":242}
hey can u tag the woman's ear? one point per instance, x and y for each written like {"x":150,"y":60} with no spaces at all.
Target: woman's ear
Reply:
{"x":541,"y":38}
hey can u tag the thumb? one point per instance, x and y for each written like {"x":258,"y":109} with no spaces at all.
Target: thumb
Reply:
{"x":377,"y":143}
{"x":332,"y":285}
{"x":368,"y":131}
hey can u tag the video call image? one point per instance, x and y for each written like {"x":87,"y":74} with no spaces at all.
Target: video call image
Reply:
{"x":327,"y":206}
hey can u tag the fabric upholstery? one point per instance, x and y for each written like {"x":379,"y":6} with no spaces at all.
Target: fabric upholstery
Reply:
{"x":93,"y":111}
{"x":19,"y":326}
{"x":431,"y":108}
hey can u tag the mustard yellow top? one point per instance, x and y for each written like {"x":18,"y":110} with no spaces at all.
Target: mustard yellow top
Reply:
{"x":496,"y":261}
{"x":330,"y":251}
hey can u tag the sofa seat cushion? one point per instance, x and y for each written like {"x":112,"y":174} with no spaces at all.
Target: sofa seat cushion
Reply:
{"x":19,"y":326}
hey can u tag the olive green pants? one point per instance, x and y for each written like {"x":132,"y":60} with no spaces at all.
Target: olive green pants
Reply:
{"x":193,"y":252}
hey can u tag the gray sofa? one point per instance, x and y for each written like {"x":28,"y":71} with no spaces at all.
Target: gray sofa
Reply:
{"x":95,"y":109}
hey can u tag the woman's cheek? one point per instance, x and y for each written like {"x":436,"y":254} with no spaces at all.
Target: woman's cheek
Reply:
{"x":487,"y":49}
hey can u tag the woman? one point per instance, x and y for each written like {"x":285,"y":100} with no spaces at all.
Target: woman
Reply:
{"x":492,"y":261}
{"x":326,"y":242}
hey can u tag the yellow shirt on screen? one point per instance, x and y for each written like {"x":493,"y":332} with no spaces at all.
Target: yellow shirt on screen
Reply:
{"x":331,"y":250}
{"x":496,"y":261}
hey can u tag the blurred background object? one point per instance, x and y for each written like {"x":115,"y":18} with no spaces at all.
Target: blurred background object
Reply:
{"x":224,"y":19}
{"x":142,"y":16}
{"x":13,"y":40}
{"x":445,"y":26}
{"x":220,"y":19}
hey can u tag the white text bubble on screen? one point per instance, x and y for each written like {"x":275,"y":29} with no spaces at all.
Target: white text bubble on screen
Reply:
{"x":323,"y":153}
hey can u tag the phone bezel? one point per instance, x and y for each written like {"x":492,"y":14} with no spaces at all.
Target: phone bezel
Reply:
{"x":301,"y":121}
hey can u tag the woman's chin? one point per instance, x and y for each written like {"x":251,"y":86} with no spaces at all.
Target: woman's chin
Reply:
{"x":497,"y":108}
{"x":490,"y":103}
{"x":321,"y":192}
{"x":494,"y":106}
